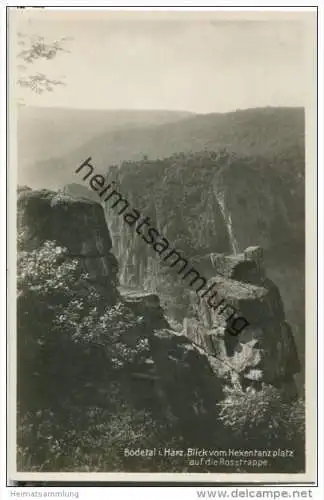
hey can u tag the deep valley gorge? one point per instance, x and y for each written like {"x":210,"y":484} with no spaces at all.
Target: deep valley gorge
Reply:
{"x":143,"y":362}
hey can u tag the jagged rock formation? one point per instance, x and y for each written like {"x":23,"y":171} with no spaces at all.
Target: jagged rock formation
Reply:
{"x":175,"y":377}
{"x":218,"y":205}
{"x":80,"y":191}
{"x":265,"y":350}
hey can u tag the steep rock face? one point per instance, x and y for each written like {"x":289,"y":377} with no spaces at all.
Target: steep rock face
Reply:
{"x":147,"y":304}
{"x":265,"y":349}
{"x":175,"y":376}
{"x":175,"y":380}
{"x":240,"y":280}
{"x":208,"y":204}
{"x":78,"y":225}
{"x":219,"y":203}
{"x":80,"y":191}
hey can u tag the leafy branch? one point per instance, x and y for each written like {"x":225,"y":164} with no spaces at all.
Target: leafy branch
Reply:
{"x":35,"y":48}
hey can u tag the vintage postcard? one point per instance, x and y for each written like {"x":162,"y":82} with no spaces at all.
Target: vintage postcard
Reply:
{"x":163,"y":179}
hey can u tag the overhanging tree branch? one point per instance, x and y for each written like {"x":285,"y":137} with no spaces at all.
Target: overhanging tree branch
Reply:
{"x":34,"y":48}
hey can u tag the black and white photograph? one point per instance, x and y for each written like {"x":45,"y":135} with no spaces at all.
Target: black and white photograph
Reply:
{"x":164,"y":173}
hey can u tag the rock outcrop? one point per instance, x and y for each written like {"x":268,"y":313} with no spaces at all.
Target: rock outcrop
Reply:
{"x":264,"y":350}
{"x":75,"y":224}
{"x":175,"y":377}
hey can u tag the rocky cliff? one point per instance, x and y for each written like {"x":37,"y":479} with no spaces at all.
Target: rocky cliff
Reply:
{"x":174,"y":377}
{"x":88,"y":388}
{"x":79,"y":225}
{"x":213,"y":203}
{"x":263,"y":351}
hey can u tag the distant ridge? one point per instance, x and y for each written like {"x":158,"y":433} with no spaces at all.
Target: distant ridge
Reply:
{"x":268,"y":132}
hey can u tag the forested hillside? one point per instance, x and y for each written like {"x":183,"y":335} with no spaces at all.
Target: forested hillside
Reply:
{"x":273,"y":133}
{"x":45,"y":133}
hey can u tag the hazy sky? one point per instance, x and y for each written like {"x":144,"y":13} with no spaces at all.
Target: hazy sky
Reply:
{"x":202,"y":65}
